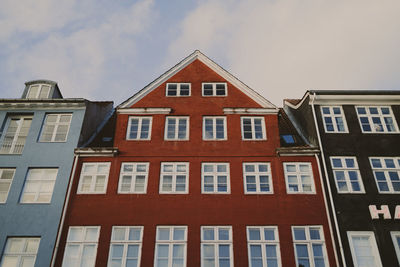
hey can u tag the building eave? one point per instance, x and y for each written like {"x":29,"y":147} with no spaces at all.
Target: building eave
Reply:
{"x":297,"y":151}
{"x":96,"y":152}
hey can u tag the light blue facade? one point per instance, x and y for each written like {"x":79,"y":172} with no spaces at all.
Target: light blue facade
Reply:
{"x":42,"y":220}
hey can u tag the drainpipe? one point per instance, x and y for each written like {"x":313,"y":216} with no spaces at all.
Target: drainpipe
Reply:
{"x":60,"y":227}
{"x":327,"y":183}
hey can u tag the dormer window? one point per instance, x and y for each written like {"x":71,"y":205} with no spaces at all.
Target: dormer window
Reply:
{"x":38,"y":91}
{"x":178,"y":89}
{"x":214,"y":89}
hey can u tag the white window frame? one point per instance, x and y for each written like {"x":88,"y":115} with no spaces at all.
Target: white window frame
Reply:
{"x":20,"y":255}
{"x":386,"y":171}
{"x":6,"y":182}
{"x":214,"y":125}
{"x":41,"y":183}
{"x":214,"y":88}
{"x":178,"y":90}
{"x":126,"y":242}
{"x":257,"y":175}
{"x":15,"y":147}
{"x":215,"y":173}
{"x":174,"y":175}
{"x":374,"y":247}
{"x":176,"y":130}
{"x":253,"y":135}
{"x":263,"y":243}
{"x":56,"y":125}
{"x":134,"y":173}
{"x":395,"y":235}
{"x":40,"y":88}
{"x":171,"y":242}
{"x":140,"y":120}
{"x":333,"y":117}
{"x":298,"y":174}
{"x":309,"y":243}
{"x":216,"y":242}
{"x":346,"y":171}
{"x":381,"y":117}
{"x":94,"y":175}
{"x":82,"y":242}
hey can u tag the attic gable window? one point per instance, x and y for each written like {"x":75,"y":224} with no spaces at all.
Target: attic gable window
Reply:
{"x":38,"y":91}
{"x":214,"y":89}
{"x":178,"y":89}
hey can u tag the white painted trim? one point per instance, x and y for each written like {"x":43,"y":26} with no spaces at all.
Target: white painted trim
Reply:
{"x":373,"y":244}
{"x":5,"y":182}
{"x":346,"y":170}
{"x":355,"y":99}
{"x":177,"y":128}
{"x":147,"y":111}
{"x":214,"y":89}
{"x":385,"y":170}
{"x":93,"y":181}
{"x":215,"y":174}
{"x":381,"y":117}
{"x":216,"y":242}
{"x":125,"y":243}
{"x":41,"y":105}
{"x":39,"y":90}
{"x":257,"y":177}
{"x":171,"y":242}
{"x":139,"y":130}
{"x":395,"y":244}
{"x":174,"y":173}
{"x":250,"y":111}
{"x":332,"y":116}
{"x":298,"y":174}
{"x":178,"y":90}
{"x":93,"y":152}
{"x":253,"y":130}
{"x":214,"y":128}
{"x":287,"y":103}
{"x":134,"y":175}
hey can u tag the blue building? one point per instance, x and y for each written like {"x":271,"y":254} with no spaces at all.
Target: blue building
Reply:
{"x":38,"y":135}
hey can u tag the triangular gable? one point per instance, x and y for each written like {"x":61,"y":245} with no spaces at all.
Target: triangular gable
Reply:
{"x":212,"y":65}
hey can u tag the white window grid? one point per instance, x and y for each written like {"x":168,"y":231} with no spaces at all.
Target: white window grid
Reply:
{"x":214,"y":128}
{"x":38,"y":91}
{"x":366,"y":254}
{"x":253,"y":128}
{"x":139,"y":128}
{"x":215,"y":178}
{"x":263,"y":246}
{"x":81,"y":246}
{"x":14,"y":138}
{"x":6,"y":178}
{"x":396,"y":243}
{"x":178,"y":89}
{"x":214,"y":89}
{"x":39,"y":185}
{"x":309,"y":246}
{"x":299,"y":178}
{"x":376,"y":119}
{"x":174,"y":178}
{"x":387,"y":174}
{"x":55,"y":128}
{"x":216,"y":246}
{"x":334,"y":119}
{"x":94,"y":178}
{"x":133,"y":178}
{"x":257,"y":178}
{"x":170,"y":248}
{"x":176,"y":128}
{"x":125,"y":246}
{"x":347,"y":175}
{"x":20,"y":251}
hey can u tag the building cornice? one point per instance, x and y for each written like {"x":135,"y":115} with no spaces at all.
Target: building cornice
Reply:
{"x":251,"y":111}
{"x":297,"y":151}
{"x":356,"y":99}
{"x":42,"y":104}
{"x":141,"y":111}
{"x":96,"y":152}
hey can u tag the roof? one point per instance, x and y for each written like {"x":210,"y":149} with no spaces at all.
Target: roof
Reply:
{"x":286,"y":127}
{"x":356,"y":92}
{"x":293,"y":101}
{"x":105,"y":137}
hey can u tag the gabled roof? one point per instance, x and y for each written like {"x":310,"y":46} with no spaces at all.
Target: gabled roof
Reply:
{"x":212,"y":65}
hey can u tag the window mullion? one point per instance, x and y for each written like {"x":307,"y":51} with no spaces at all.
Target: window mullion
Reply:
{"x":176,"y":133}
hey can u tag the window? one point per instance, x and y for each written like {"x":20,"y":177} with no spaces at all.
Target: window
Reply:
{"x":396,"y":243}
{"x":39,"y":185}
{"x":215,"y":178}
{"x":334,"y":119}
{"x":288,"y":139}
{"x":257,"y":178}
{"x":81,"y":246}
{"x":20,"y":251}
{"x":125,"y":246}
{"x":38,"y":91}
{"x":139,"y":128}
{"x":214,"y":128}
{"x":214,"y":89}
{"x":377,"y":120}
{"x":253,"y":128}
{"x":309,"y":246}
{"x":94,"y":178}
{"x":55,"y":128}
{"x":174,"y":177}
{"x":170,"y":246}
{"x":6,"y":178}
{"x":363,"y":249}
{"x":387,"y":174}
{"x":133,"y":178}
{"x":263,"y":246}
{"x":15,"y":136}
{"x":216,"y":246}
{"x":347,"y":175}
{"x":178,"y":89}
{"x":176,"y":128}
{"x":299,"y":177}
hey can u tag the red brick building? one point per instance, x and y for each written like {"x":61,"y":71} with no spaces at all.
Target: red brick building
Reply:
{"x":202,"y":171}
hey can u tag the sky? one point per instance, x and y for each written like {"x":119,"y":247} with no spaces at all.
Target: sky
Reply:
{"x":108,"y":50}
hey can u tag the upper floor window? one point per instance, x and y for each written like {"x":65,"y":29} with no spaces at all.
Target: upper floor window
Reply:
{"x":17,"y":129}
{"x":170,"y":246}
{"x":125,"y":246}
{"x":299,"y":177}
{"x":55,"y":128}
{"x":216,"y":246}
{"x":20,"y":251}
{"x":364,"y":249}
{"x":387,"y":174}
{"x":334,"y":119}
{"x":214,"y":128}
{"x":38,"y":91}
{"x":257,"y":178}
{"x":174,"y":177}
{"x":176,"y":128}
{"x":94,"y":178}
{"x":139,"y":128}
{"x":178,"y":89}
{"x":347,"y":175}
{"x":253,"y":128}
{"x":263,"y":246}
{"x":133,"y":178}
{"x":6,"y":178}
{"x":39,"y":185}
{"x":377,"y":120}
{"x":214,"y":89}
{"x":215,"y":178}
{"x":396,"y":243}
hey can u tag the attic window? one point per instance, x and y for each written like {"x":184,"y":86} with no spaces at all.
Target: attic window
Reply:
{"x":38,"y":91}
{"x":178,"y":89}
{"x":214,"y":89}
{"x":288,"y":138}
